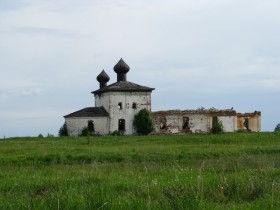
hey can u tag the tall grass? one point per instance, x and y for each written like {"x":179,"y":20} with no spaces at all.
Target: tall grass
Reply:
{"x":229,"y":171}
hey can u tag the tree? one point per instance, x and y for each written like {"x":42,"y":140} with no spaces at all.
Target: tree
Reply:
{"x":63,"y":130}
{"x":218,"y":127}
{"x":277,"y":128}
{"x":143,"y":122}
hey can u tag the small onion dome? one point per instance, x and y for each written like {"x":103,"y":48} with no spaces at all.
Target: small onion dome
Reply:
{"x":103,"y":77}
{"x":121,"y":67}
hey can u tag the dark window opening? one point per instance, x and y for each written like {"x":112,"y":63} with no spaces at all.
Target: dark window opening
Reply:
{"x":120,"y":105}
{"x":186,"y":121}
{"x":134,"y":106}
{"x":246,"y":124}
{"x":163,"y":123}
{"x":162,"y":126}
{"x":121,"y":124}
{"x":91,"y":126}
{"x":214,"y":122}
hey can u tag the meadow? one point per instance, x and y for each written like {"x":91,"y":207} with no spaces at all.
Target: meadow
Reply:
{"x":197,"y":171}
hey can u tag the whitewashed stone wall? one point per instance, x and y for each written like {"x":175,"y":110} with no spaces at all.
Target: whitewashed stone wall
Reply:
{"x":110,"y":101}
{"x":254,"y":121}
{"x":172,"y":121}
{"x":229,"y":123}
{"x":76,"y":124}
{"x":103,"y":100}
{"x":198,"y":123}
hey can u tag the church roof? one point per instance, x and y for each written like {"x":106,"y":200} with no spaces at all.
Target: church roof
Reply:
{"x":89,"y":112}
{"x":123,"y":86}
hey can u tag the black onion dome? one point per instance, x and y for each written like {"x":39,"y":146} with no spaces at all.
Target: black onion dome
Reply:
{"x":103,"y":77}
{"x":121,"y":67}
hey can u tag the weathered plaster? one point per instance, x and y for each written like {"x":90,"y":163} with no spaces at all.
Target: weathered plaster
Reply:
{"x":75,"y":125}
{"x":254,"y":121}
{"x":200,"y":121}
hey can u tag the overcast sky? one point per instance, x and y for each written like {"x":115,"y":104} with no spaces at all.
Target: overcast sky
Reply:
{"x":210,"y":53}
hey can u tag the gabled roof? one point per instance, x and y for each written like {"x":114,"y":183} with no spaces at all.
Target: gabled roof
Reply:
{"x":123,"y":86}
{"x":89,"y":112}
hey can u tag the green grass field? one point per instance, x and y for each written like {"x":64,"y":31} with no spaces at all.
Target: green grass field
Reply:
{"x":228,"y":171}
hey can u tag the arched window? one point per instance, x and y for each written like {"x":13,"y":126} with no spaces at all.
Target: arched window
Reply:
{"x":91,"y":126}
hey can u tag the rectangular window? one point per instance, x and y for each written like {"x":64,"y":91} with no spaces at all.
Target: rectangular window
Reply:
{"x":134,"y":106}
{"x":120,"y":105}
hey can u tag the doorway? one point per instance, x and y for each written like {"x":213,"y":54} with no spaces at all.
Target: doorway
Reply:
{"x":121,"y":124}
{"x":186,"y":121}
{"x":91,"y":126}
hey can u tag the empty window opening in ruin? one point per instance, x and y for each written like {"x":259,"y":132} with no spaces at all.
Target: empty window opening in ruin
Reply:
{"x":163,"y":123}
{"x":246,"y":123}
{"x":121,"y":124}
{"x":214,"y":121}
{"x":91,"y":126}
{"x":134,"y":106}
{"x":186,"y":122}
{"x":120,"y":105}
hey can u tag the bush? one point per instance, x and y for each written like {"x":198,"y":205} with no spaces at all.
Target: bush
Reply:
{"x":116,"y":133}
{"x":277,"y":128}
{"x":218,"y":127}
{"x":50,"y":135}
{"x":143,"y":122}
{"x":85,"y":132}
{"x":240,"y":131}
{"x":40,"y":136}
{"x":63,"y":130}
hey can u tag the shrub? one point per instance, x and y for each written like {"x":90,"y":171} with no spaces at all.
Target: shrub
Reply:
{"x":240,"y":131}
{"x":277,"y":128}
{"x":116,"y":133}
{"x":143,"y":122}
{"x":200,"y":108}
{"x":40,"y":136}
{"x":212,"y":109}
{"x":63,"y":130}
{"x":85,"y":132}
{"x":218,"y":127}
{"x":50,"y":135}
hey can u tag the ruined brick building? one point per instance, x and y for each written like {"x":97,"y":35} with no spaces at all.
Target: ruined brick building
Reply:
{"x":118,"y":103}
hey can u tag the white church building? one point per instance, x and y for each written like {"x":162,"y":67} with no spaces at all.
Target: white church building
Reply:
{"x":118,"y":103}
{"x":115,"y":105}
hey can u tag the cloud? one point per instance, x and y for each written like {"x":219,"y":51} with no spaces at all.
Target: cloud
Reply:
{"x":43,"y":31}
{"x":190,"y":51}
{"x":31,"y":92}
{"x":11,"y":5}
{"x":271,"y":84}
